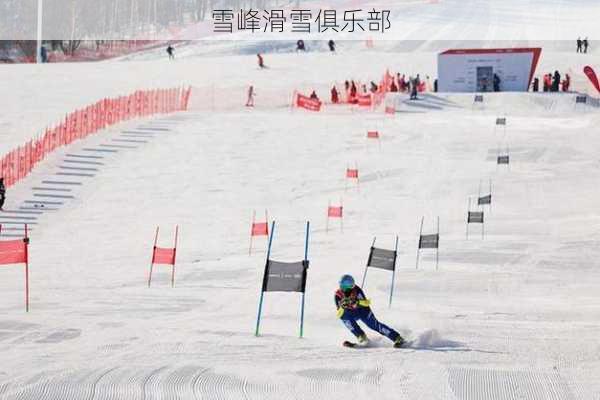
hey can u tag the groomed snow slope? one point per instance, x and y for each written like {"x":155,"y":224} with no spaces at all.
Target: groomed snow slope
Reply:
{"x":514,"y":316}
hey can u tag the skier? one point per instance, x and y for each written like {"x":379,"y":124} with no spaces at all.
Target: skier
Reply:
{"x":261,"y":62}
{"x":579,"y":44}
{"x":251,"y":94}
{"x":496,"y":83}
{"x":331,"y":44}
{"x":335,"y":97}
{"x":2,"y":192}
{"x":171,"y":52}
{"x":353,"y":306}
{"x":300,"y":45}
{"x":585,"y":45}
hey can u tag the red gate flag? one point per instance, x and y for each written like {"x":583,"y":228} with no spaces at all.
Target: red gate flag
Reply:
{"x":307,"y":103}
{"x":164,"y":256}
{"x":352,"y":173}
{"x":373,"y":134}
{"x":335,"y":211}
{"x":13,"y":252}
{"x":17,"y":252}
{"x":258,"y":228}
{"x":591,"y":74}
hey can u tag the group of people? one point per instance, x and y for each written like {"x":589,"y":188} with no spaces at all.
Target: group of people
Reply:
{"x":404,"y":84}
{"x":300,"y":46}
{"x":582,"y":45}
{"x":552,"y":83}
{"x":400,"y":84}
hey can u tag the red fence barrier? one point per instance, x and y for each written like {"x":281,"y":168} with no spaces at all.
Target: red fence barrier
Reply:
{"x":306,"y":102}
{"x":17,"y":252}
{"x":18,"y":163}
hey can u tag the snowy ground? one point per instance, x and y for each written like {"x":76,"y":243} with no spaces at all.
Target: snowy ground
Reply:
{"x":514,"y":316}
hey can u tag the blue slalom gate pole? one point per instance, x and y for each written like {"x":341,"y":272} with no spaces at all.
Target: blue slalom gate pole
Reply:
{"x":393,"y":274}
{"x":368,"y":262}
{"x":304,"y":292}
{"x":262,"y":290}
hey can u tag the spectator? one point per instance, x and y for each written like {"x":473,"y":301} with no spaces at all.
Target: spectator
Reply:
{"x":547,"y":82}
{"x":261,"y":62}
{"x":314,"y":96}
{"x":536,"y":84}
{"x":331,"y":44}
{"x":496,"y":83}
{"x":556,"y":82}
{"x":579,"y":45}
{"x":585,"y":45}
{"x":2,"y":193}
{"x":300,"y":45}
{"x":335,"y":97}
{"x":171,"y":52}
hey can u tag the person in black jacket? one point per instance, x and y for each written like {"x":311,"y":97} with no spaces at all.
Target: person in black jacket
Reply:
{"x":2,"y":192}
{"x":496,"y":83}
{"x":331,"y":44}
{"x":556,"y":82}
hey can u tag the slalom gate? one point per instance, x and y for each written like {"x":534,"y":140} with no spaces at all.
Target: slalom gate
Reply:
{"x":352,"y":175}
{"x":503,"y":157}
{"x":382,"y":259}
{"x":335,"y":212}
{"x":17,"y":252}
{"x":258,"y":228}
{"x":18,"y":163}
{"x":429,"y":241}
{"x":475,"y":217}
{"x":485,"y":199}
{"x":164,"y":256}
{"x":284,"y":277}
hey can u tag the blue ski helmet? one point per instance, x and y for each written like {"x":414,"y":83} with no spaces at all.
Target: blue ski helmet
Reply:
{"x":346,"y":282}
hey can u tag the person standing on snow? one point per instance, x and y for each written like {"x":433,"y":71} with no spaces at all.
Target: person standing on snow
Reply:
{"x":2,"y":193}
{"x":353,"y":306}
{"x":261,"y":62}
{"x":547,"y":82}
{"x":331,"y":45}
{"x":579,"y":45}
{"x":496,"y":83}
{"x":585,"y":45}
{"x":536,"y":84}
{"x":300,"y":45}
{"x":556,"y":82}
{"x":171,"y":52}
{"x":251,"y":94}
{"x":335,"y":97}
